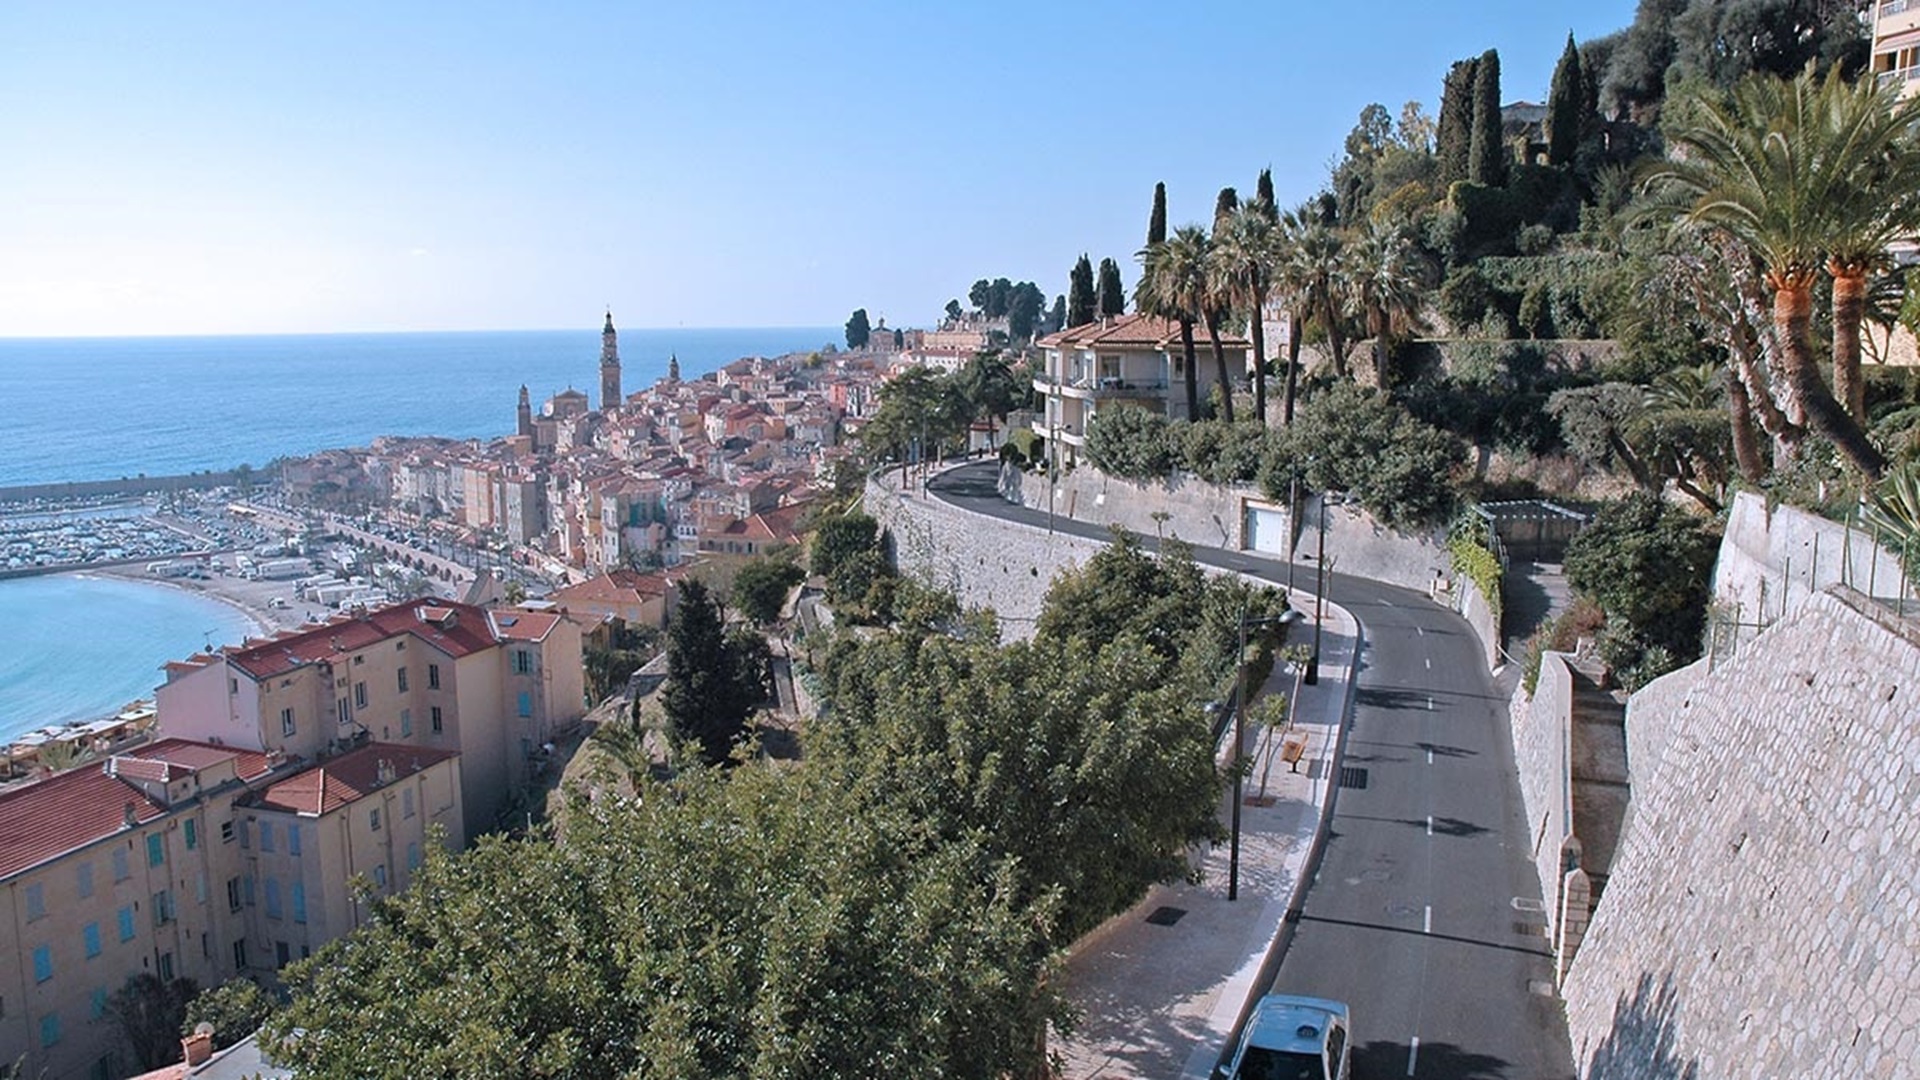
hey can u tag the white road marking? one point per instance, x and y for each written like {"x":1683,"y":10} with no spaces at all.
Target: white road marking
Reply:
{"x":1429,"y":761}
{"x":1421,"y":630}
{"x":1429,"y":833}
{"x":1413,"y":1054}
{"x":1427,"y":926}
{"x":1386,"y":603}
{"x":1429,"y":663}
{"x":1429,"y":709}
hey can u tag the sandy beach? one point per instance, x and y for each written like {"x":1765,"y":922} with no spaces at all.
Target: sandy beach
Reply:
{"x":249,"y":596}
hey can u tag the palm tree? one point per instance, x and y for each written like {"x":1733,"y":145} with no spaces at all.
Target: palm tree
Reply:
{"x":1872,"y":204}
{"x":1245,"y":249}
{"x":1386,"y":289}
{"x":1762,"y":166}
{"x":1173,"y":285}
{"x":1309,"y":272}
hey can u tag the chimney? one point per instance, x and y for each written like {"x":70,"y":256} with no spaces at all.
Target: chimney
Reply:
{"x":198,"y":1047}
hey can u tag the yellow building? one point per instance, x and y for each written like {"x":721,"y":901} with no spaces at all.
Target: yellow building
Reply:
{"x":493,"y":686}
{"x":190,"y":860}
{"x":1896,"y":44}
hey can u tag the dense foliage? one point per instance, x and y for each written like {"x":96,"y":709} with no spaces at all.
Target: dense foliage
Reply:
{"x":235,"y":1008}
{"x":1648,"y":565}
{"x":761,"y":585}
{"x":715,"y":677}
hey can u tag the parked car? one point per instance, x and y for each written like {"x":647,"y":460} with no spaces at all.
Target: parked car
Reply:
{"x":1293,"y":1038}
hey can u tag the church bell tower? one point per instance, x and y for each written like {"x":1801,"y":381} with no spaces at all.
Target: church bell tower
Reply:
{"x":523,"y":415}
{"x":609,"y":366}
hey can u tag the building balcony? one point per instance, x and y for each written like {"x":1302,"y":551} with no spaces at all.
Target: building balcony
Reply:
{"x":1901,"y":77}
{"x":1087,"y":388}
{"x":1070,"y":434}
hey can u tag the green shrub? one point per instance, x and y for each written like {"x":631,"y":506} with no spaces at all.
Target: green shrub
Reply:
{"x":1361,"y":442}
{"x":1648,"y":565}
{"x":1130,"y":442}
{"x":1473,"y":559}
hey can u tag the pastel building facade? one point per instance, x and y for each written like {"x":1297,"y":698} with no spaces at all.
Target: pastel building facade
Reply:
{"x":1123,"y":361}
{"x":178,"y":860}
{"x":492,"y":686}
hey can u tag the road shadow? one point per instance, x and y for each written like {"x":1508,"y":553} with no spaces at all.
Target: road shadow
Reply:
{"x":1433,"y":1061}
{"x":1442,"y":826}
{"x":1379,"y":697}
{"x":1641,"y":1043}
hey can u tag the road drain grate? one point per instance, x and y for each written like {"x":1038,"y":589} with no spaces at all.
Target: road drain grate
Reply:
{"x":1166,"y":916}
{"x":1353,"y":776}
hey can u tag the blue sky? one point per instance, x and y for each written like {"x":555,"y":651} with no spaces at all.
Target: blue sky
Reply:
{"x":259,"y":168}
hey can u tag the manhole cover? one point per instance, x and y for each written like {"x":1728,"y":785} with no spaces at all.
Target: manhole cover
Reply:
{"x":1166,"y":916}
{"x":1353,"y":777}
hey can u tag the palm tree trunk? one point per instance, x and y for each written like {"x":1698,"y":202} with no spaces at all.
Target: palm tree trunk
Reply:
{"x":1294,"y":323}
{"x":1193,"y":373}
{"x":1746,"y":441}
{"x":1849,"y":306}
{"x":1336,"y":341}
{"x":1220,"y":365}
{"x":1259,"y":356}
{"x":1792,"y":318}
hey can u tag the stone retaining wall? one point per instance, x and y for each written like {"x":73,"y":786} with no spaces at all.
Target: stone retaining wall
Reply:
{"x":1474,"y":608}
{"x":1771,"y":560}
{"x":1007,"y":567}
{"x":1759,"y":919}
{"x":1542,"y":753}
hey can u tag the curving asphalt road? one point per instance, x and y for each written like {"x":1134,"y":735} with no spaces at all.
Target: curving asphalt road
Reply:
{"x":1424,"y":911}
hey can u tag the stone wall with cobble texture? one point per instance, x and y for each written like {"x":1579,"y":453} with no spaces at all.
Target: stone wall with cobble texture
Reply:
{"x":1540,"y":753}
{"x":1000,"y":565}
{"x":1760,"y":918}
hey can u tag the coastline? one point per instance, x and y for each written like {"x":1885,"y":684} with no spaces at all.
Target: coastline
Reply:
{"x":247,"y":597}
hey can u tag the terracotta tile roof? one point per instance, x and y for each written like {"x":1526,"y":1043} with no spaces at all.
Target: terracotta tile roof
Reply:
{"x":517,"y":625}
{"x":453,"y":628}
{"x":1150,"y":331}
{"x":42,"y":820}
{"x":346,"y":779}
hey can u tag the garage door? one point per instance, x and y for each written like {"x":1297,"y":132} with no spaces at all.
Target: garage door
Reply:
{"x":1266,"y":530}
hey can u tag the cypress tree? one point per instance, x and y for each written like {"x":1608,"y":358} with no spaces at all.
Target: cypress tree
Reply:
{"x":1157,"y":223}
{"x":1113,"y":299}
{"x":1453,"y":134}
{"x":1080,"y":293}
{"x":1487,"y":153}
{"x":1263,"y":195}
{"x":1224,"y":206}
{"x":1057,"y":319}
{"x":1566,"y":100}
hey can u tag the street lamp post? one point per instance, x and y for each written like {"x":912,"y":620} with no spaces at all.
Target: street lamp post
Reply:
{"x":1319,"y":597}
{"x":1286,"y":618}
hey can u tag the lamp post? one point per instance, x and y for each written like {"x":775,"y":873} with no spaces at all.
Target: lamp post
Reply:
{"x":1319,"y":597}
{"x":1286,"y":618}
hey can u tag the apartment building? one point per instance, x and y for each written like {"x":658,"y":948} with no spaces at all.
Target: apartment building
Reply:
{"x":493,"y":686}
{"x":186,"y":859}
{"x":1896,"y":44}
{"x":1125,"y":360}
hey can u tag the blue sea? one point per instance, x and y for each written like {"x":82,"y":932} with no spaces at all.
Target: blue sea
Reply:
{"x":104,"y":408}
{"x":75,"y":647}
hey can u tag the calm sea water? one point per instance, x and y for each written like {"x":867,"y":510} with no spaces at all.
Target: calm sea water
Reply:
{"x":102,"y":408}
{"x":79,"y":647}
{"x":91,"y":409}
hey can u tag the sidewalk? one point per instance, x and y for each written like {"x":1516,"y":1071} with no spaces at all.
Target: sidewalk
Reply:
{"x":1161,"y":1000}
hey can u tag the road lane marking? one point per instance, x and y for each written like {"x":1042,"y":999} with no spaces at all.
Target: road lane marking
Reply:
{"x":1429,"y":709}
{"x":1429,"y":761}
{"x":1413,"y":1054}
{"x":1421,"y":630}
{"x":1429,"y":833}
{"x":1426,"y":927}
{"x":1429,"y":663}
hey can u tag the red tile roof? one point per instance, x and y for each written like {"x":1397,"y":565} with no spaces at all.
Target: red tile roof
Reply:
{"x":517,"y":625}
{"x":42,"y":820}
{"x":1150,"y":331}
{"x":346,"y":779}
{"x":453,"y":628}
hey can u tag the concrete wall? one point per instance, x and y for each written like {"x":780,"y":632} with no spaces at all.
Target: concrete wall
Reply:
{"x":1759,"y":921}
{"x":131,"y":485}
{"x":1542,"y":753}
{"x":1770,"y":561}
{"x":1215,"y":516}
{"x":1473,"y":607}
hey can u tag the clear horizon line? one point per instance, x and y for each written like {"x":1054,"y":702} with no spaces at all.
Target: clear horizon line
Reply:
{"x":594,"y":329}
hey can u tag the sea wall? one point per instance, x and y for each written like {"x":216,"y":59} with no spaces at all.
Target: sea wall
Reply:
{"x":1759,"y":917}
{"x":129,"y":485}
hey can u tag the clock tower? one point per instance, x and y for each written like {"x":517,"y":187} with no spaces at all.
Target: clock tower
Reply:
{"x":609,"y":366}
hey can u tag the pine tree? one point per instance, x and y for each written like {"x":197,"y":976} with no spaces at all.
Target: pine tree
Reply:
{"x":1487,"y":153}
{"x":1263,"y":195}
{"x":714,"y":679}
{"x":858,"y":330}
{"x":1223,"y":206}
{"x":1080,"y":297}
{"x":1157,"y":222}
{"x":1057,"y":318}
{"x":1566,"y":101}
{"x":1113,"y":298}
{"x":1454,"y":134}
